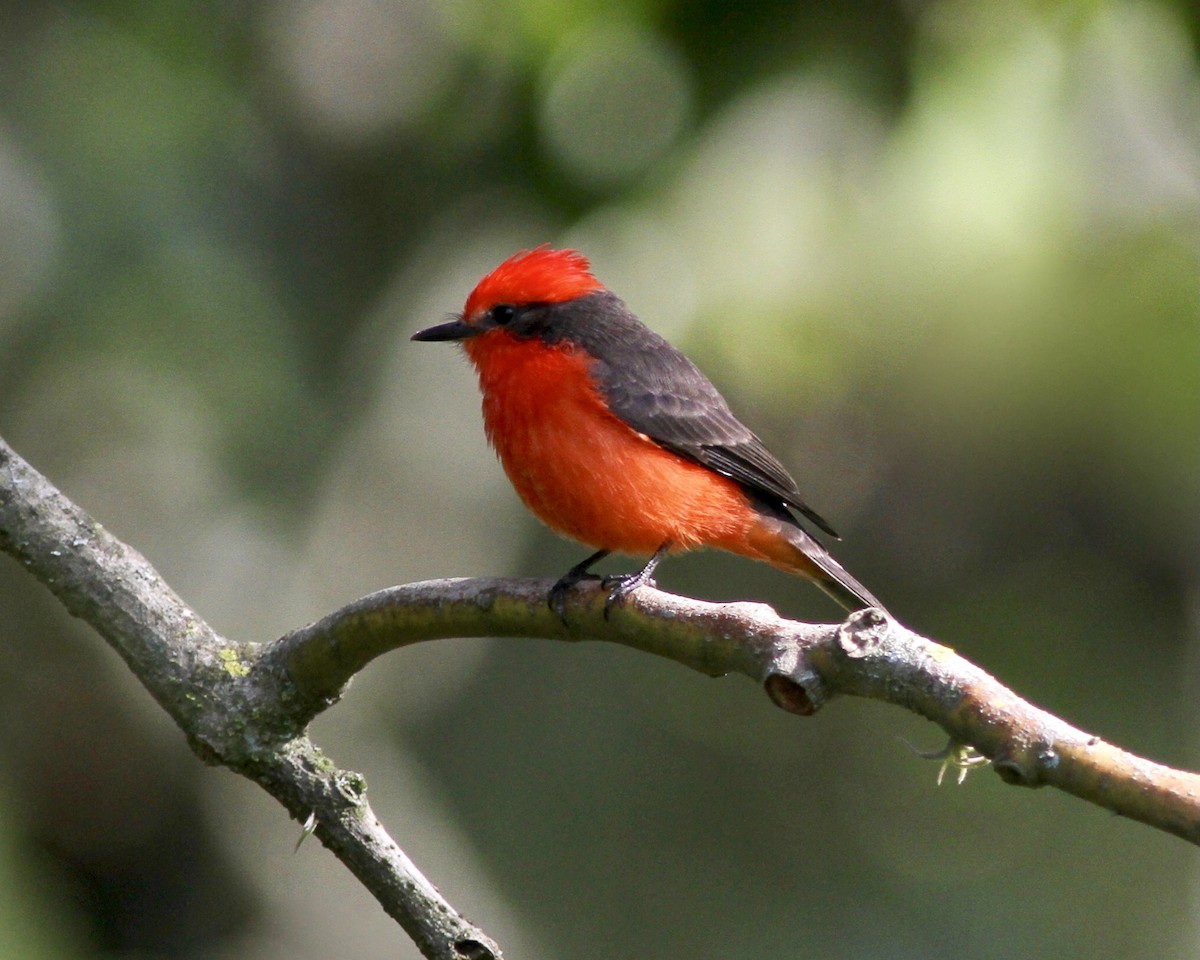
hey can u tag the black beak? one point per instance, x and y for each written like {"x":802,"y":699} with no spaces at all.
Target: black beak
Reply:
{"x":452,"y":330}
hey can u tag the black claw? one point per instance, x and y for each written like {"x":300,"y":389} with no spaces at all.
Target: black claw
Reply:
{"x":621,"y":585}
{"x":557,"y":598}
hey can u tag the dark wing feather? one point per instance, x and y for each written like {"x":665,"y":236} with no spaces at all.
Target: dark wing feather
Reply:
{"x":659,"y":392}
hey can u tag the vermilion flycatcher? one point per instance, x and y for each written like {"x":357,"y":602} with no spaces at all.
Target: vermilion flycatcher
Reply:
{"x":614,"y":438}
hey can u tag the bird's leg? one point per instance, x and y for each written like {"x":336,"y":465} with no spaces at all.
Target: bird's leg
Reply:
{"x":623,"y":584}
{"x":557,"y":599}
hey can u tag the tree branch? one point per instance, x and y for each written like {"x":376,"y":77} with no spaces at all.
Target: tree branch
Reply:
{"x":247,"y":706}
{"x":801,"y":666}
{"x":231,"y":714}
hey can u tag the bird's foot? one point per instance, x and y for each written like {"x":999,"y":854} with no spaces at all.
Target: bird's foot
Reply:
{"x":557,"y":598}
{"x":961,"y":756}
{"x":621,"y":585}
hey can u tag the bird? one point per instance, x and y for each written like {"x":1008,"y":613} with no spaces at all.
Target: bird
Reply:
{"x":613,"y":437}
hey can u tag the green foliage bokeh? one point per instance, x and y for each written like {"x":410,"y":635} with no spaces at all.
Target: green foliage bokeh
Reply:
{"x":943,"y":257}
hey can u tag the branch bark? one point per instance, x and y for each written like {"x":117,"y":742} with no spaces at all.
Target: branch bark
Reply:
{"x":248,"y":706}
{"x":232,"y":714}
{"x":801,"y":666}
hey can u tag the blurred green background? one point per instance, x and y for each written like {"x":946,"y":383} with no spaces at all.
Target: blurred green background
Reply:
{"x":943,"y":256}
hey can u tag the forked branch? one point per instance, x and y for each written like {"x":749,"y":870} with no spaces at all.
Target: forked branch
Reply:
{"x":247,"y":706}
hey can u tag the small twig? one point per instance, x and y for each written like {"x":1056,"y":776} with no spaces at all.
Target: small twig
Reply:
{"x":959,"y":756}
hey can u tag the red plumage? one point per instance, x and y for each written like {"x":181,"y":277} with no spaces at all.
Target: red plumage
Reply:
{"x":613,"y":437}
{"x":534,"y":276}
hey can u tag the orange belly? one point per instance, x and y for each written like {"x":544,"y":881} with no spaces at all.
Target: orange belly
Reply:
{"x":583,"y":470}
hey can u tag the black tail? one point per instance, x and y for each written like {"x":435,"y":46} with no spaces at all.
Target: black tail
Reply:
{"x":837,"y":580}
{"x":828,"y":574}
{"x":780,"y":540}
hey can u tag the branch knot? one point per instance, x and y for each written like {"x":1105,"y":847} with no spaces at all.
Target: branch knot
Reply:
{"x":863,"y":632}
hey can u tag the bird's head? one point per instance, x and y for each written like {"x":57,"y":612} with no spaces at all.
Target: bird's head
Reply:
{"x":514,"y":296}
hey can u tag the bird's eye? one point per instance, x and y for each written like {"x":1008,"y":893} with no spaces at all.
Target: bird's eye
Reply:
{"x":503,"y":314}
